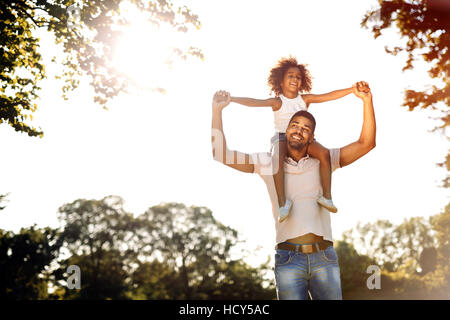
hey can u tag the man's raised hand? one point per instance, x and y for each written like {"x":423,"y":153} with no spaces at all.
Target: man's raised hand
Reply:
{"x":361,"y":89}
{"x":221,"y":99}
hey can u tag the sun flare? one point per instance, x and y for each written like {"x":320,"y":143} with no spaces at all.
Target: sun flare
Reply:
{"x":145,"y":53}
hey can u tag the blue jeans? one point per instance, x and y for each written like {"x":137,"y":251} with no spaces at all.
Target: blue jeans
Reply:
{"x":297,"y":273}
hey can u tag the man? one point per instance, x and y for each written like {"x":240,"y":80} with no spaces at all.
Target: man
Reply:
{"x":305,"y":258}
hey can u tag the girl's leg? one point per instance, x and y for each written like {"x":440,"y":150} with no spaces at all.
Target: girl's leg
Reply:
{"x":316,"y":150}
{"x":280,"y":149}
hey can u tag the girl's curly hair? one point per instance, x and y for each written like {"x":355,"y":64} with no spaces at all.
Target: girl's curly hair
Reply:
{"x":277,"y":74}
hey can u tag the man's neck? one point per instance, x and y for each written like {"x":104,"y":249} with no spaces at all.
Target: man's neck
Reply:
{"x":296,"y":154}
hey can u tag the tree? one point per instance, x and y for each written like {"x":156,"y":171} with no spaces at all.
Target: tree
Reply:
{"x":193,"y":253}
{"x":102,"y":239}
{"x":169,"y":252}
{"x":24,"y":260}
{"x":434,"y":280}
{"x":441,"y":224}
{"x":399,"y":251}
{"x":86,"y":30}
{"x":425,"y":24}
{"x":353,"y":266}
{"x":240,"y":281}
{"x":237,"y":281}
{"x":393,"y":246}
{"x":155,"y":280}
{"x":440,"y":279}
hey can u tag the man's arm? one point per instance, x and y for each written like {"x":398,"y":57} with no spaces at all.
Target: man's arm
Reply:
{"x":366,"y":141}
{"x":234,"y":159}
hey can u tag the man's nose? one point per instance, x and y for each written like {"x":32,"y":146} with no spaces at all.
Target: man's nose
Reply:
{"x":301,"y":131}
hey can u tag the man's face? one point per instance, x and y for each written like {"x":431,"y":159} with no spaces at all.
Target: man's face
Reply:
{"x":300,"y":132}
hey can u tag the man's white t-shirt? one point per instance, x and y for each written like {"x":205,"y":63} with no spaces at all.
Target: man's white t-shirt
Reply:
{"x":303,"y":187}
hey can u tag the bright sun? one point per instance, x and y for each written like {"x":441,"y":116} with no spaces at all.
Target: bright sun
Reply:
{"x":144,"y":52}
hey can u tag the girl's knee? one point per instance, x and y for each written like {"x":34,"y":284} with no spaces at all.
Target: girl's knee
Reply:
{"x":324,"y":155}
{"x":280,"y":162}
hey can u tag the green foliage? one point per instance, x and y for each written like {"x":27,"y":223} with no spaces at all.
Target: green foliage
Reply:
{"x":101,"y":238}
{"x":394,"y":246}
{"x":353,"y":266}
{"x":176,"y":252}
{"x":88,"y":46}
{"x":399,"y":251}
{"x":20,"y":68}
{"x":441,"y":277}
{"x":195,"y":247}
{"x":155,"y":280}
{"x":169,"y":252}
{"x":103,"y":276}
{"x":441,"y":223}
{"x":24,"y":260}
{"x":239,"y":281}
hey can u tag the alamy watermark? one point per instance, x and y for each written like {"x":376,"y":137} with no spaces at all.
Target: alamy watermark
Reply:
{"x":264,"y":160}
{"x":374,"y":281}
{"x":74,"y":280}
{"x":74,"y":17}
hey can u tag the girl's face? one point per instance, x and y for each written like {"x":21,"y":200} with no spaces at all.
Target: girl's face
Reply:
{"x":291,"y":81}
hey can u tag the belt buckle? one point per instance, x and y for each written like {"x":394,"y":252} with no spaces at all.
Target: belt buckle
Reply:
{"x":307,"y":248}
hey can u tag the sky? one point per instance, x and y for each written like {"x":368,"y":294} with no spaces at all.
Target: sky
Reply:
{"x":150,"y":147}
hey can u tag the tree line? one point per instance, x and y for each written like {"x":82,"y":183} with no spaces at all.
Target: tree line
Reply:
{"x":172,"y":251}
{"x":169,"y":252}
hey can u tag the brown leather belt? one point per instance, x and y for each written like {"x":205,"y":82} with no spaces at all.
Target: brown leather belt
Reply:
{"x":304,"y":248}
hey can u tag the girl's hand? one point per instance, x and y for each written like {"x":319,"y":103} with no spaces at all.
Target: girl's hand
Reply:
{"x":221,"y":99}
{"x":361,"y":90}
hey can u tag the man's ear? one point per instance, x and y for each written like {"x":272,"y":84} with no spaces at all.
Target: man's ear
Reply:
{"x":311,"y":138}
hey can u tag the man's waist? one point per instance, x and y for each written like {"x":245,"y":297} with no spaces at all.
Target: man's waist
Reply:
{"x":312,"y":247}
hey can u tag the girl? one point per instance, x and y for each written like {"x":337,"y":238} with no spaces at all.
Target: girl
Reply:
{"x":286,"y":80}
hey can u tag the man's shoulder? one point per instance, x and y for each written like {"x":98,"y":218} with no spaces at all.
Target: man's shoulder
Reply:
{"x":264,"y":164}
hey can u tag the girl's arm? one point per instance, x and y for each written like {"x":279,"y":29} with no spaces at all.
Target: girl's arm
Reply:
{"x":275,"y":103}
{"x":333,"y":95}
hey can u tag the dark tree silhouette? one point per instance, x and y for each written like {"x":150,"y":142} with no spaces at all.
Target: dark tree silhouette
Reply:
{"x":24,"y":260}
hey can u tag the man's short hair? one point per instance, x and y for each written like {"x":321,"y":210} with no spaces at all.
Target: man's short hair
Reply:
{"x":305,"y":114}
